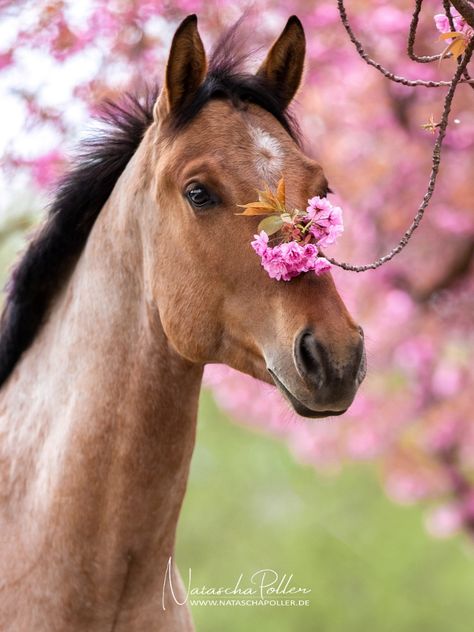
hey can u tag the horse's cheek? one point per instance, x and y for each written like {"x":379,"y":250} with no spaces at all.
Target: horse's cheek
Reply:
{"x":190,"y":321}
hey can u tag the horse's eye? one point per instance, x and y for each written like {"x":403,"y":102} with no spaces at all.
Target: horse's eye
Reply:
{"x":199,"y":196}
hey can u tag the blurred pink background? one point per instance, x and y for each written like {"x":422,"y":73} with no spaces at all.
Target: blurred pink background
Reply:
{"x":413,"y":415}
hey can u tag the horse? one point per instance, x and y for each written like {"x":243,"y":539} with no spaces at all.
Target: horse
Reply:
{"x":140,"y":275}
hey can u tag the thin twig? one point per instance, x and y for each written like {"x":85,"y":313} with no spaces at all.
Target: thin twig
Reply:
{"x":433,"y":176}
{"x":371,"y":62}
{"x":447,"y":10}
{"x":421,"y":59}
{"x":465,"y":10}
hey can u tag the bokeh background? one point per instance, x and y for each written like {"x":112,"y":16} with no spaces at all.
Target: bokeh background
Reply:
{"x":373,"y":511}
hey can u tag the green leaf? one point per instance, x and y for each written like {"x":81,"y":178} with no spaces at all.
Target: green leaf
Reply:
{"x":271,"y":225}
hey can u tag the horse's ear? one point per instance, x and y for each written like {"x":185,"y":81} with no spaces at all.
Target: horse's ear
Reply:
{"x":283,"y":66}
{"x":185,"y":69}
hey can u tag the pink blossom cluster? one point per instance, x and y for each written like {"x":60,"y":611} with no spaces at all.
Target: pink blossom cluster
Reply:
{"x":460,"y":25}
{"x":288,"y":259}
{"x":326,"y":221}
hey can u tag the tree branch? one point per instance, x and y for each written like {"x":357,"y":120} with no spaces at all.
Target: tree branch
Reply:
{"x":371,"y":62}
{"x":436,"y":160}
{"x":447,"y":10}
{"x":421,"y":59}
{"x":465,"y":9}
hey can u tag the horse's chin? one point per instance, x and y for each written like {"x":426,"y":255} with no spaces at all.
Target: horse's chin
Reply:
{"x":299,"y":407}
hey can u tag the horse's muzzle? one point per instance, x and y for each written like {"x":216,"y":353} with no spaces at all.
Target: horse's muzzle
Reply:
{"x":329,"y":384}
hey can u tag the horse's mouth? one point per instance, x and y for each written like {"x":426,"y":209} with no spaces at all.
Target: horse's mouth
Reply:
{"x":299,"y":407}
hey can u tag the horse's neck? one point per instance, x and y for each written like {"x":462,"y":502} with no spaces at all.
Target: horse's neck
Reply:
{"x":98,"y":422}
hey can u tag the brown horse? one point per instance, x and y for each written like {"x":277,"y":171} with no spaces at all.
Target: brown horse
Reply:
{"x":140,"y":276}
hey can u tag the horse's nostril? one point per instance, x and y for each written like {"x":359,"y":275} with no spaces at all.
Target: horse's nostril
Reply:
{"x":308,"y":357}
{"x":315,"y":363}
{"x":331,"y":375}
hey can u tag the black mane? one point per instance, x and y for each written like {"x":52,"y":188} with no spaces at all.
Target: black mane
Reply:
{"x":84,"y":190}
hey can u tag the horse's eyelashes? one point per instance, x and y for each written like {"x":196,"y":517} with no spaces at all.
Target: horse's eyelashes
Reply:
{"x":326,"y":191}
{"x":322,"y":190}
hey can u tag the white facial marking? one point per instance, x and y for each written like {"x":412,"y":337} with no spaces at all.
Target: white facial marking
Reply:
{"x":268,"y":155}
